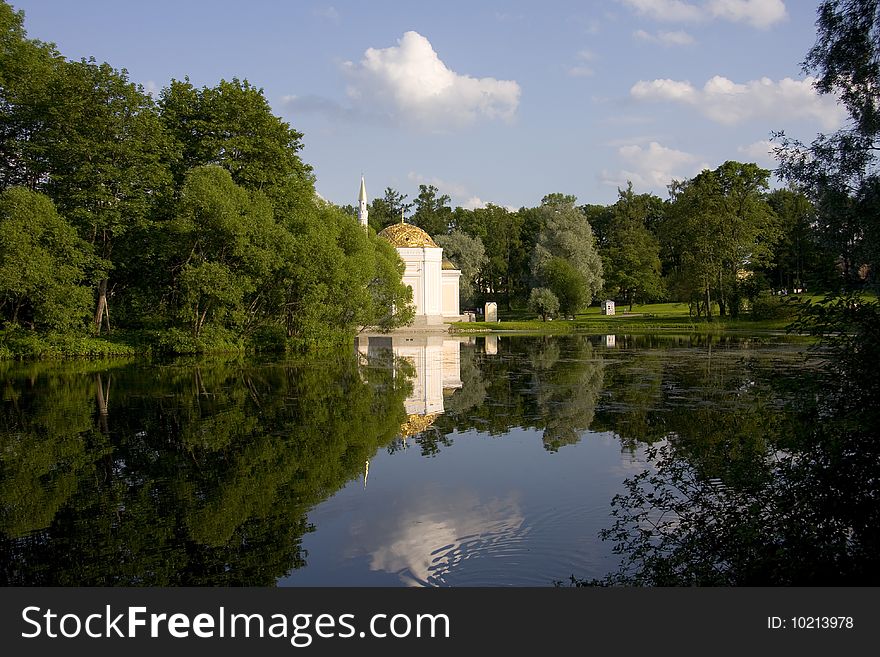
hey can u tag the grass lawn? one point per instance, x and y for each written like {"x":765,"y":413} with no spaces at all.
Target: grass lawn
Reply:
{"x":648,"y":318}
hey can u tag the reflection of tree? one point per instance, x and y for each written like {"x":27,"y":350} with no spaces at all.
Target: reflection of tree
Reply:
{"x":762,"y":503}
{"x":550,"y":384}
{"x":565,"y":390}
{"x":205,"y":477}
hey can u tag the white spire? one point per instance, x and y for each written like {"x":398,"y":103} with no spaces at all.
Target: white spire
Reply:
{"x":362,"y":204}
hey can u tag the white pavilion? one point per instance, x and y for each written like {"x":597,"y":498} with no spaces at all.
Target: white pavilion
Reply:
{"x":434,"y":280}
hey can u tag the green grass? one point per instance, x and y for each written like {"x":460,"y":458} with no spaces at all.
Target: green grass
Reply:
{"x":648,"y":318}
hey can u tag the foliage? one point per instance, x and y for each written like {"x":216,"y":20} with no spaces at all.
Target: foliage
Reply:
{"x":631,"y":252}
{"x":543,"y":302}
{"x":433,"y":214}
{"x":719,"y":224}
{"x":567,"y":284}
{"x":387,"y":210}
{"x":566,"y":235}
{"x":468,"y":254}
{"x":44,"y":266}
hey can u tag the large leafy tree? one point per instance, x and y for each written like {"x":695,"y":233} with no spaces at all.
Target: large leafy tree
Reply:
{"x":232,"y":125}
{"x":719,"y":225}
{"x":631,"y":253}
{"x":228,"y":246}
{"x":84,"y":135}
{"x":44,"y":265}
{"x":566,"y":235}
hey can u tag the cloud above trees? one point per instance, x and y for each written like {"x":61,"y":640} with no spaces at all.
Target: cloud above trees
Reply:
{"x":411,"y":83}
{"x":651,"y":166}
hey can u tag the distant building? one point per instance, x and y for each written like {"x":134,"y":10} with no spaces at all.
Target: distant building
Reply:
{"x":434,"y":281}
{"x":608,"y":307}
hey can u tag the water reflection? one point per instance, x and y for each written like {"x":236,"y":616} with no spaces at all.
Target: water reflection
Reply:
{"x":195,"y":473}
{"x":207,"y":472}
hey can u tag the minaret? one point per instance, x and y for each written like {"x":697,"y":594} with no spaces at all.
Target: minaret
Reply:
{"x":362,"y":205}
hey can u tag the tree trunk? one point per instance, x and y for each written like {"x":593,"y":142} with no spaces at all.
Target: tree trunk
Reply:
{"x":708,"y":302}
{"x":102,"y":312}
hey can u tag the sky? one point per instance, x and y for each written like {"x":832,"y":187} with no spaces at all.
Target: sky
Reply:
{"x":491,"y":102}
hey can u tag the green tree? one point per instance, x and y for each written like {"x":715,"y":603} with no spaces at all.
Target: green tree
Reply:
{"x":433,"y":214}
{"x":543,"y":302}
{"x":388,"y":210}
{"x":838,"y":172}
{"x":468,"y":254}
{"x":631,"y":255}
{"x":719,"y":225}
{"x":44,"y":265}
{"x":567,"y":283}
{"x":566,"y":234}
{"x":232,"y":125}
{"x":228,"y":244}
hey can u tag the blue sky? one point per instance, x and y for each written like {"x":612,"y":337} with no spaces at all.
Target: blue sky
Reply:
{"x":492,"y":102}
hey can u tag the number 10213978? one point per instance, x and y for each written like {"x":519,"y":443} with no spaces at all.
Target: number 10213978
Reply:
{"x":810,"y":623}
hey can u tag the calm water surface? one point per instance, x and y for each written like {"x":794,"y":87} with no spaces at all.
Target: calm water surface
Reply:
{"x":421,"y":461}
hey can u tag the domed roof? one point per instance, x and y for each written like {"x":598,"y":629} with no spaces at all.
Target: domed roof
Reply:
{"x":407,"y":236}
{"x":448,"y":264}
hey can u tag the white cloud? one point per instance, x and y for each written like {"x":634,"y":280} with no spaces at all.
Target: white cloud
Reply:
{"x":758,"y":13}
{"x":671,"y":11}
{"x":727,"y":102}
{"x":761,"y":14}
{"x":651,"y":167}
{"x":759,"y":152}
{"x":474,"y":203}
{"x":454,"y":189}
{"x":410,"y":82}
{"x":676,"y":38}
{"x":583,"y":67}
{"x":151,"y":88}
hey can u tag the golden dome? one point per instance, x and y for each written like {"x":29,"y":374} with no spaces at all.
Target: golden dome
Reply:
{"x":447,"y":264}
{"x":407,"y":236}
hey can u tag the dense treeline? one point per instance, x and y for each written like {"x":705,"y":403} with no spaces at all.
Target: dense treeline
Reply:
{"x":189,"y":218}
{"x":722,"y":242}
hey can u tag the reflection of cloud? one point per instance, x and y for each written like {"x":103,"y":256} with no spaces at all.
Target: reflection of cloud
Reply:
{"x":425,"y":541}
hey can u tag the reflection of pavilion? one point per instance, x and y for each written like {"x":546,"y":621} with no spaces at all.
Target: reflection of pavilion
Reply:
{"x":436,"y":360}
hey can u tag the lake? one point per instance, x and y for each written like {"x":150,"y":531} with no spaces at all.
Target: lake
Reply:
{"x":417,"y":460}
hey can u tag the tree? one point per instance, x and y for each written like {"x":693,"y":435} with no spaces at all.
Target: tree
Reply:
{"x":631,"y":255}
{"x":27,"y":69}
{"x":719,"y":224}
{"x":228,"y":246}
{"x":44,"y":265}
{"x":838,"y":172}
{"x":565,"y":234}
{"x":232,"y":125}
{"x":388,"y":210}
{"x":89,"y":139}
{"x":468,"y":254}
{"x":433,"y":214}
{"x":567,"y":283}
{"x":543,"y":302}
